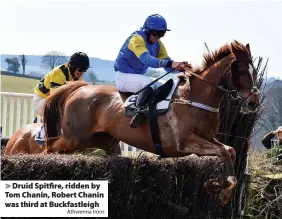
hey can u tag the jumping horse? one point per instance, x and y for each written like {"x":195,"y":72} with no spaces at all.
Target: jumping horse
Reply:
{"x":30,"y":139}
{"x":77,"y":112}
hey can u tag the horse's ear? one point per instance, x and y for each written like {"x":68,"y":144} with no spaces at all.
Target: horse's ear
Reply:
{"x":234,"y":50}
{"x":248,"y":48}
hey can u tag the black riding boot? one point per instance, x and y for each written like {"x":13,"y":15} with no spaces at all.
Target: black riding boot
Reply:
{"x":141,"y":110}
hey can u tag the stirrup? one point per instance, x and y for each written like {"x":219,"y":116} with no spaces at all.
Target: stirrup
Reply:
{"x":143,"y":112}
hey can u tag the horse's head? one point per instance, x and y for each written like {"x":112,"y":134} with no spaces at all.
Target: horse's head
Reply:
{"x":241,"y":79}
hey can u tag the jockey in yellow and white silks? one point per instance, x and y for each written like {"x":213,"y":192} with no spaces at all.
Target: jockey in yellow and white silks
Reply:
{"x":141,"y":50}
{"x":60,"y":75}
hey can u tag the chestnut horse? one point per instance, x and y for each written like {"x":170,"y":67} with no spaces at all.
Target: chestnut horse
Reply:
{"x":25,"y":141}
{"x":77,"y":112}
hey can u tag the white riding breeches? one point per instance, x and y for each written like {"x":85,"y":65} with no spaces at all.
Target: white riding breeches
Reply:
{"x":38,"y":103}
{"x":127,"y":82}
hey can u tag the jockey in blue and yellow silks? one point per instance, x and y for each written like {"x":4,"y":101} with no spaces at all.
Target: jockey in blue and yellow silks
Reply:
{"x":141,"y":50}
{"x":137,"y":54}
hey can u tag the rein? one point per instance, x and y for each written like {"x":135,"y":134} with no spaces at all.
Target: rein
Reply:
{"x":233,"y":93}
{"x":218,"y":87}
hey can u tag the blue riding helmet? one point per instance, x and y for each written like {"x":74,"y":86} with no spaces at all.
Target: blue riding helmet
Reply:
{"x":155,"y":22}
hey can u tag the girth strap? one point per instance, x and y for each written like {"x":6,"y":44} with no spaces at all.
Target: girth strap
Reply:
{"x":155,"y":129}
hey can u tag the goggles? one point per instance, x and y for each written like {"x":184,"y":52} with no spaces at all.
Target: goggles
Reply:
{"x":84,"y":69}
{"x":158,"y":33}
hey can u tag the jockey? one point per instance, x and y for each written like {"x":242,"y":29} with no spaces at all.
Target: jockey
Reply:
{"x":141,"y":50}
{"x":71,"y":71}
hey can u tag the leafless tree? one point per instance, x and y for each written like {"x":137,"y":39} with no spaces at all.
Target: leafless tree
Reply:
{"x":53,"y":59}
{"x":23,"y":60}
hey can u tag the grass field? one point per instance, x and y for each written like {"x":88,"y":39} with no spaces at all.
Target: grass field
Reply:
{"x":16,"y":85}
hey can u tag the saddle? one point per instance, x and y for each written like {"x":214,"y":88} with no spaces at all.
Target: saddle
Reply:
{"x":159,"y":98}
{"x":158,"y":104}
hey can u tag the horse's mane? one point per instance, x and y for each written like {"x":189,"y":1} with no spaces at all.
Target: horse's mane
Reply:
{"x":212,"y":57}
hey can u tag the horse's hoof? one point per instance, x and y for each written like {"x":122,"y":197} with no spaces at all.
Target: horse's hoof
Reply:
{"x":211,"y":185}
{"x":225,"y":195}
{"x":232,"y":182}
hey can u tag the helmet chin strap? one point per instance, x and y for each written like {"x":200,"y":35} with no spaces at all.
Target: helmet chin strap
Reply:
{"x":148,"y":36}
{"x":72,"y":71}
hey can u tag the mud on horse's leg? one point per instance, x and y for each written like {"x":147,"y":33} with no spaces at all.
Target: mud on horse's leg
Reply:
{"x":202,"y":147}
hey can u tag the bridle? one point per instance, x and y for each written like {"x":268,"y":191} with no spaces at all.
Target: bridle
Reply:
{"x":233,"y":93}
{"x":254,"y":89}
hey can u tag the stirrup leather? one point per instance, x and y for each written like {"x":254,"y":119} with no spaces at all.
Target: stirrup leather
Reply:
{"x":141,"y":113}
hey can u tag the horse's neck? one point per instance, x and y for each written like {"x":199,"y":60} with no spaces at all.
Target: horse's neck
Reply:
{"x":204,"y":92}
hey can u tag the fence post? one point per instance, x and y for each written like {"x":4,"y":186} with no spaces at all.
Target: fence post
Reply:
{"x":11,"y":122}
{"x":4,"y":115}
{"x":18,"y":118}
{"x":25,"y":112}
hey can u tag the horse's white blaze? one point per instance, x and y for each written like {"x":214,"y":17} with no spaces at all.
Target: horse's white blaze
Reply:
{"x":251,"y":70}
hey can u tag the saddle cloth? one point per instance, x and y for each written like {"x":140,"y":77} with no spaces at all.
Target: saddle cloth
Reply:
{"x":162,"y":106}
{"x":40,"y":135}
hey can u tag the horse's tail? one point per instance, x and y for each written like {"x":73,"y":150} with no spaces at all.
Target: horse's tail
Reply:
{"x":54,"y":108}
{"x":4,"y":142}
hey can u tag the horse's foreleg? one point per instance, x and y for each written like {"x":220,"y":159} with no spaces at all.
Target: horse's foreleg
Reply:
{"x":201,"y":147}
{"x":196,"y":145}
{"x":226,"y":186}
{"x":228,"y":148}
{"x":19,"y":146}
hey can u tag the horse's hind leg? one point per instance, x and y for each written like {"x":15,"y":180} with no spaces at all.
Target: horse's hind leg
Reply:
{"x":18,"y":146}
{"x":201,"y":147}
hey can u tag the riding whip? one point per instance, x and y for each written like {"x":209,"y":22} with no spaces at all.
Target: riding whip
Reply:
{"x":137,"y":92}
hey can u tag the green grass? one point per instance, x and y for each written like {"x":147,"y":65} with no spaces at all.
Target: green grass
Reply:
{"x":16,"y":85}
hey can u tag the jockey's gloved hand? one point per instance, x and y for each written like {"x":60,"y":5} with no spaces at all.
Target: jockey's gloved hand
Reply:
{"x":179,"y":66}
{"x":187,"y":64}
